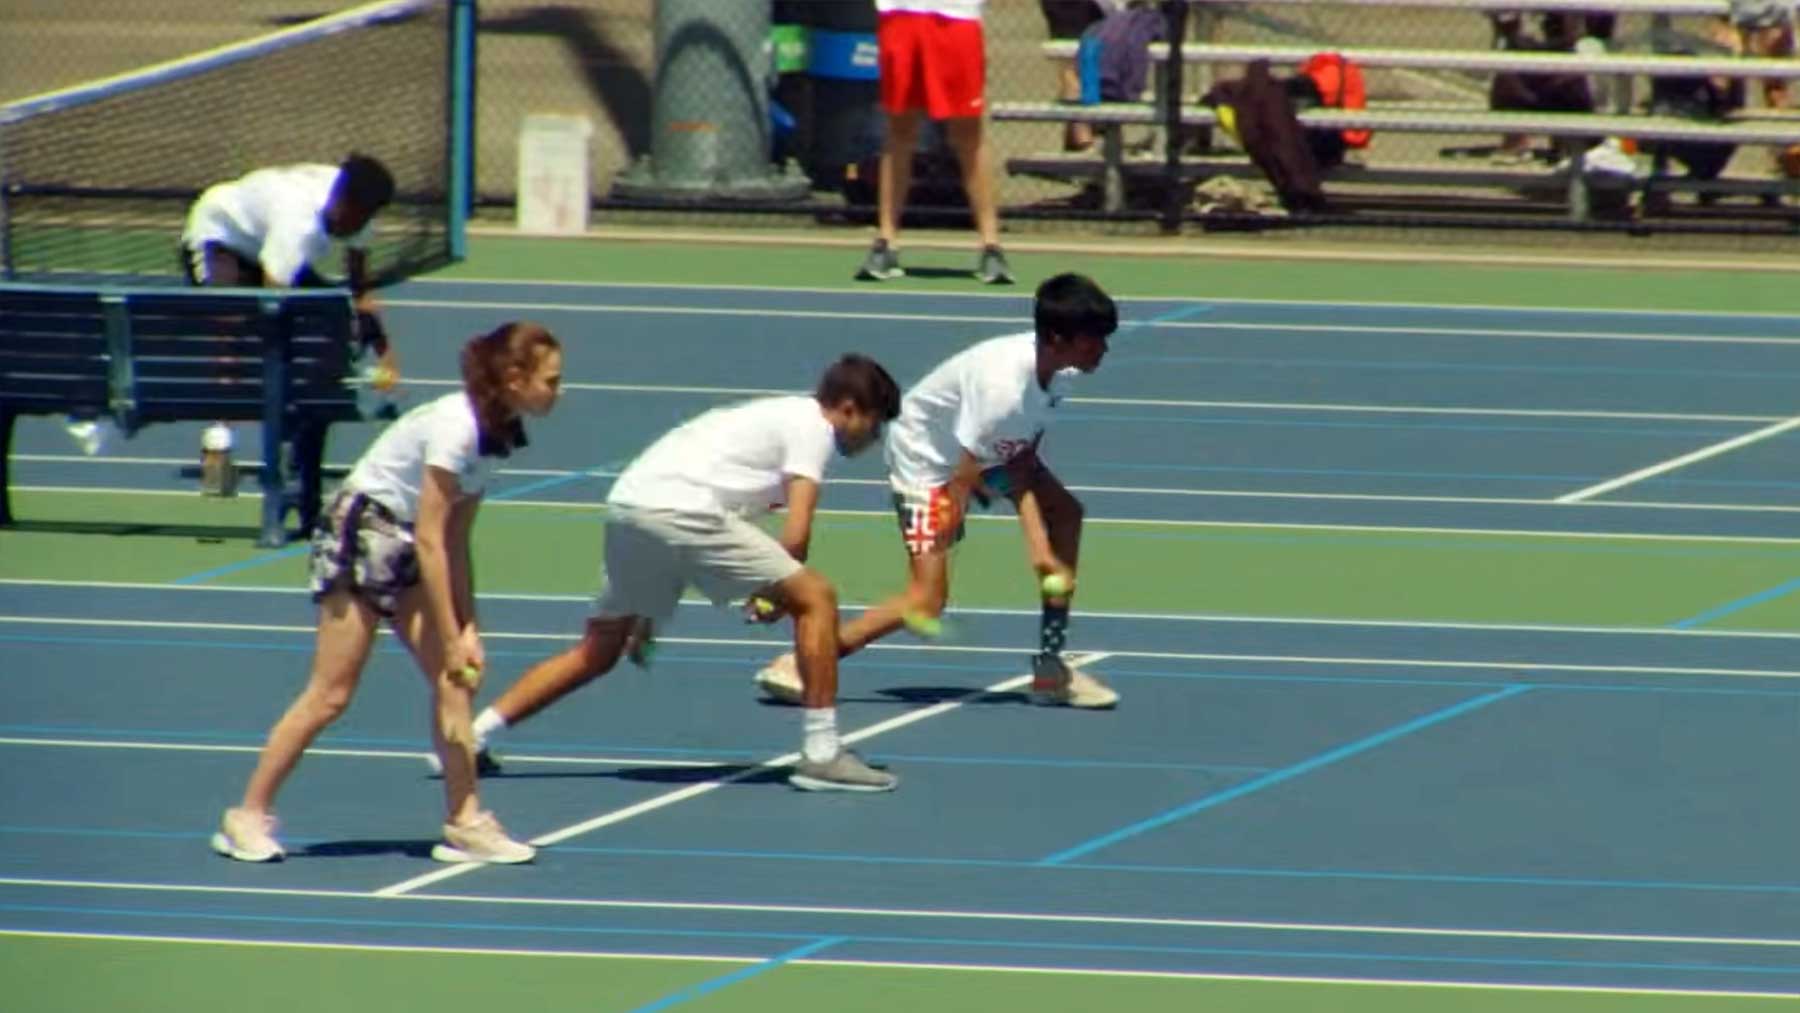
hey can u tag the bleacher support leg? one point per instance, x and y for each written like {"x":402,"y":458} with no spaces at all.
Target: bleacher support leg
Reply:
{"x":6,"y":431}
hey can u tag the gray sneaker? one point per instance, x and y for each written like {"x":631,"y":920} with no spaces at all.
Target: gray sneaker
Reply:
{"x":993,"y":269}
{"x":844,"y":772}
{"x":881,"y":264}
{"x":1055,"y":684}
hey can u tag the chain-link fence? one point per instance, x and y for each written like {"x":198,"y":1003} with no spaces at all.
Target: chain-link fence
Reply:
{"x":803,"y":90}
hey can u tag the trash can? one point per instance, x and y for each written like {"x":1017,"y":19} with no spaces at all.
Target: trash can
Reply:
{"x":553,"y":174}
{"x":836,"y":98}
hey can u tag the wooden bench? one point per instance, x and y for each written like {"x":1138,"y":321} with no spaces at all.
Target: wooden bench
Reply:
{"x":139,"y":356}
{"x":1112,"y":167}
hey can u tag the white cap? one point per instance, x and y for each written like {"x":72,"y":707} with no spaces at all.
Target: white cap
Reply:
{"x":216,"y":437}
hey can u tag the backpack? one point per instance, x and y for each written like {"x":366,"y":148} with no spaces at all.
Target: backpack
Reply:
{"x":1340,"y":84}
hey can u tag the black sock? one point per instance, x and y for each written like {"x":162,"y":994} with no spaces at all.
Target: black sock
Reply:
{"x":1053,"y":628}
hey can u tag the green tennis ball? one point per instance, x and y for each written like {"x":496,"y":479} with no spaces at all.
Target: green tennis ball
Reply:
{"x":1055,"y":585}
{"x":930,"y":627}
{"x":763,"y":606}
{"x":471,"y":674}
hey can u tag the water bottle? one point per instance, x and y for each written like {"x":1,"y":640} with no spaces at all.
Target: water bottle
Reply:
{"x":218,"y":476}
{"x":1087,"y":67}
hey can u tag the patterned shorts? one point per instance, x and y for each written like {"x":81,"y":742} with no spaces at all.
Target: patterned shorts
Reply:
{"x":361,"y":545}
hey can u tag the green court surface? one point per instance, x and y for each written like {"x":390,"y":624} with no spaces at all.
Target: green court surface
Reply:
{"x":1185,"y":568}
{"x":191,"y":976}
{"x":1230,"y":569}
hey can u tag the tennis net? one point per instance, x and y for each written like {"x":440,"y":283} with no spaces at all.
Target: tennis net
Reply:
{"x":96,"y":180}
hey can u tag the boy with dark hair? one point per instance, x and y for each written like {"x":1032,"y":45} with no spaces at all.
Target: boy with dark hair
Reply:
{"x":972,"y":428}
{"x":274,"y":226}
{"x":681,"y":514}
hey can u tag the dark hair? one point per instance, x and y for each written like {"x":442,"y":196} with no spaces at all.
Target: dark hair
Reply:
{"x":864,"y":382}
{"x":365,"y":182}
{"x":486,"y":361}
{"x":1069,"y":305}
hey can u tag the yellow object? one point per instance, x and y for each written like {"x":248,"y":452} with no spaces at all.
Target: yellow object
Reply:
{"x":926,"y":626}
{"x":1228,"y":120}
{"x":1055,"y":585}
{"x":471,"y":674}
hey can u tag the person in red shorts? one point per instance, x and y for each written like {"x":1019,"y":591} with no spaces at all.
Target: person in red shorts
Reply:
{"x":933,"y":63}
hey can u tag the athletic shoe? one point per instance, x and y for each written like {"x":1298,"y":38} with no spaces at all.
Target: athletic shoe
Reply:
{"x":640,"y":643}
{"x":487,"y":763}
{"x":780,"y":681}
{"x":484,"y":840}
{"x":992,"y":269}
{"x":844,"y":772}
{"x":1055,"y":684}
{"x":881,"y":264}
{"x":248,"y":837}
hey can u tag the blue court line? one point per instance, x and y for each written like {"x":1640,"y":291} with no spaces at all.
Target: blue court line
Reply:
{"x":953,"y":942}
{"x":299,"y":843}
{"x":741,"y":974}
{"x":1285,"y":774}
{"x":1748,"y":601}
{"x":302,"y":549}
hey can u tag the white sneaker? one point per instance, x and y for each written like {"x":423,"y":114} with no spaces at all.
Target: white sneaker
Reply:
{"x":1055,"y":684}
{"x":483,"y":840}
{"x":780,"y":680}
{"x":248,"y":837}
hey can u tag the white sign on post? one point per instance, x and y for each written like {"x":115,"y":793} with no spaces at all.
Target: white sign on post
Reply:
{"x":553,"y":174}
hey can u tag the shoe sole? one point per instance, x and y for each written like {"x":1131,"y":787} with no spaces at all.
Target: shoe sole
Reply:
{"x":806,"y":783}
{"x":777,"y":692}
{"x":223,"y":845}
{"x":888,"y":275}
{"x":996,"y":279}
{"x":447,"y":853}
{"x":1052,"y":700}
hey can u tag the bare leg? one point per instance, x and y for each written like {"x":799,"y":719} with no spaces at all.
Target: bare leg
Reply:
{"x":975,"y":157}
{"x":1076,"y":136}
{"x":812,"y":601}
{"x":346,"y":632}
{"x":927,"y":592}
{"x":554,"y":678}
{"x":896,"y":172}
{"x":451,"y":735}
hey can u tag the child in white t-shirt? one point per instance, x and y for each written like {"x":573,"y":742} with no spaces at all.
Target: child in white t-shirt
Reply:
{"x":971,"y":428}
{"x":394,"y":545}
{"x":682,"y":514}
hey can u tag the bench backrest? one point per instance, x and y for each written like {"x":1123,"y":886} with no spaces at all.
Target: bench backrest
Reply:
{"x":151,"y":355}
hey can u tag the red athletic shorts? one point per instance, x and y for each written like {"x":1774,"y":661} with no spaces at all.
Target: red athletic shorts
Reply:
{"x":932,"y":63}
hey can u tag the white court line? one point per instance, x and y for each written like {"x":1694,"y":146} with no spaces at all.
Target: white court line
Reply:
{"x":1101,"y":972}
{"x":1515,"y":665}
{"x":927,"y":914}
{"x":1121,"y":490}
{"x":1164,"y":522}
{"x":1679,"y":462}
{"x":695,"y":790}
{"x":412,"y":756}
{"x":1169,"y":617}
{"x":1195,"y":300}
{"x":1177,"y":325}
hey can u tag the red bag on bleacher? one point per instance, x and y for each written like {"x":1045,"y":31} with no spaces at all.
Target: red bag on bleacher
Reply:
{"x":1340,"y":84}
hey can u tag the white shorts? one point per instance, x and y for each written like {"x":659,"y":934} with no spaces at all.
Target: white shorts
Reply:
{"x":651,"y":555}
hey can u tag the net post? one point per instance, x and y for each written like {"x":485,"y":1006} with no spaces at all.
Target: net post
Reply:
{"x":461,"y":135}
{"x":1175,"y":15}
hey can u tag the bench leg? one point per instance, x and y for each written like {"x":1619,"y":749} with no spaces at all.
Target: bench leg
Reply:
{"x":309,"y":462}
{"x":1112,"y":151}
{"x":274,"y":491}
{"x":6,"y":431}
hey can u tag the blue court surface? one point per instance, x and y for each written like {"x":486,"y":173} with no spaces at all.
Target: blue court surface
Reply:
{"x":1288,"y":796}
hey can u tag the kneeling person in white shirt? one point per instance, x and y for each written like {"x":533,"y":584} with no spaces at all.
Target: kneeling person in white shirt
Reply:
{"x":276,"y":226}
{"x":682,"y":513}
{"x":973,"y":428}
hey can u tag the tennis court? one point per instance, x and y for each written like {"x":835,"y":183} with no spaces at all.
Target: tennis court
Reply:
{"x":1454,"y":639}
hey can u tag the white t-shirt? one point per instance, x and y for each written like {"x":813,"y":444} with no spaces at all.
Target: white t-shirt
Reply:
{"x":272,"y":216}
{"x":963,"y":10}
{"x":984,"y":399}
{"x":442,"y":434}
{"x":735,"y":459}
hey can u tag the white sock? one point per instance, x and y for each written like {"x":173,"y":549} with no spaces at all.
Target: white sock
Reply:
{"x":488,"y":724}
{"x":820,"y":736}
